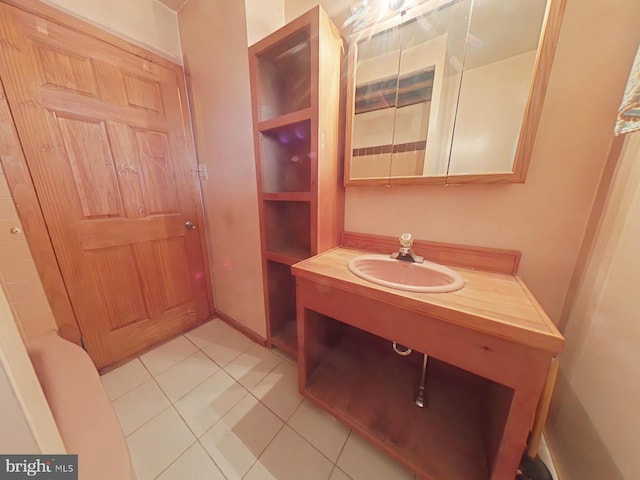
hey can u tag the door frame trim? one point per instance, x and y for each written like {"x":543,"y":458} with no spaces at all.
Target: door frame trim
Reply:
{"x":55,"y":15}
{"x":24,"y":192}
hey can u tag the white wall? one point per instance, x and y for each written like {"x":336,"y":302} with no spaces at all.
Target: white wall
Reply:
{"x":221,"y":99}
{"x":263,"y":18}
{"x":490,"y":108}
{"x":148,"y":23}
{"x":594,"y":428}
{"x":338,"y":10}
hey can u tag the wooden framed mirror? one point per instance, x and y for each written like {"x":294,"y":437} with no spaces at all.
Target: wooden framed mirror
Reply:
{"x":448,"y":92}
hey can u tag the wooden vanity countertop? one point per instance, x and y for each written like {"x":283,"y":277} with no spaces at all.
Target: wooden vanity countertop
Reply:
{"x":493,"y":303}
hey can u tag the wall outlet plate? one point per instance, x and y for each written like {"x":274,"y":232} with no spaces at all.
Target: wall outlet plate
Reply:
{"x":202,"y":171}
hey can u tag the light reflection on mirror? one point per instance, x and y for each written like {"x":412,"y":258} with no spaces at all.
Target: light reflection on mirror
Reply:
{"x":404,"y":78}
{"x":445,"y":92}
{"x":498,"y":68}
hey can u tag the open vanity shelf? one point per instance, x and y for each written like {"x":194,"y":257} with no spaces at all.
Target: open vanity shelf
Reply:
{"x":356,"y":376}
{"x":296,"y":139}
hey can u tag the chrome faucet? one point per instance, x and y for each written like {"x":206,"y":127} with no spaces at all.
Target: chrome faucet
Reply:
{"x":405,"y":252}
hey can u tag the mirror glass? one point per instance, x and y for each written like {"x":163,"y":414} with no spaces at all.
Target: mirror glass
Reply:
{"x":406,"y":82}
{"x":441,"y":91}
{"x":499,"y":65}
{"x":375,"y":99}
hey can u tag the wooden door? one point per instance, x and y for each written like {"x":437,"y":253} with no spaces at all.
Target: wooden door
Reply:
{"x":104,"y":134}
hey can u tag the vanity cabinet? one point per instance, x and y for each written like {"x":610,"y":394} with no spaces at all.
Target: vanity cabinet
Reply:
{"x":296,"y":103}
{"x":489,"y":346}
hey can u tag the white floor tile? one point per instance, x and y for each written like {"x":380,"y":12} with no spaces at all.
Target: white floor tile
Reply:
{"x":236,"y":441}
{"x":338,"y":474}
{"x":140,"y":405}
{"x":290,"y":457}
{"x":185,"y":375}
{"x":125,"y":378}
{"x":209,"y":333}
{"x":253,"y":365}
{"x":227,"y":348}
{"x":210,"y":401}
{"x":285,"y":356}
{"x":194,"y":464}
{"x":362,"y":461}
{"x":319,"y":428}
{"x":157,"y":444}
{"x":279,"y":390}
{"x":167,"y":355}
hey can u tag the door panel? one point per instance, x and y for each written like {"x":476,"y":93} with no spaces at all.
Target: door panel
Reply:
{"x":104,"y":137}
{"x":159,"y":188}
{"x":119,"y":285}
{"x":87,"y":150}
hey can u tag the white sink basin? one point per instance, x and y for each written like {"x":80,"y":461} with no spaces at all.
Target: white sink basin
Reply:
{"x":427,"y":277}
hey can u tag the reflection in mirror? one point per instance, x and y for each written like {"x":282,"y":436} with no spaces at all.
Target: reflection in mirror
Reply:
{"x":375,"y":100}
{"x":406,"y":83}
{"x":498,"y":71}
{"x":449,"y":91}
{"x":432,"y":43}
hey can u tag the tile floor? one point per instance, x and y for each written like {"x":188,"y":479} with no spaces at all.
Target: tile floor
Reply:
{"x":212,"y":404}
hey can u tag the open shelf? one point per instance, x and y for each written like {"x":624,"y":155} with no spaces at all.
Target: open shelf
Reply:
{"x":295,"y":171}
{"x":285,"y":120}
{"x":285,"y":76}
{"x":286,"y":162}
{"x":287,"y":197}
{"x":358,"y":378}
{"x":287,"y":257}
{"x":288,"y":226}
{"x":286,"y":338}
{"x":282,"y":307}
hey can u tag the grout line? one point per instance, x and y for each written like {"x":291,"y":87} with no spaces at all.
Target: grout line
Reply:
{"x":217,"y":342}
{"x":278,"y":416}
{"x":152,"y":418}
{"x":309,"y":442}
{"x":161,"y":391}
{"x":159,"y":347}
{"x":181,"y":453}
{"x":342,"y":451}
{"x":191,"y":390}
{"x":111,"y":400}
{"x":312,"y":446}
{"x":189,"y":340}
{"x":212,"y":459}
{"x":266,"y":447}
{"x":333,"y":469}
{"x":220,"y":417}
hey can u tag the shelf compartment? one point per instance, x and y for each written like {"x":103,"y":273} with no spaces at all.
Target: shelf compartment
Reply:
{"x":287,"y":228}
{"x":357,"y":377}
{"x":286,"y":120}
{"x":282,"y":307}
{"x":287,"y":197}
{"x":285,"y":76}
{"x":290,"y":257}
{"x":286,"y":158}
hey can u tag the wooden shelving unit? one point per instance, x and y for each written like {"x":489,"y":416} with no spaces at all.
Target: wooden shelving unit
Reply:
{"x":296,"y":104}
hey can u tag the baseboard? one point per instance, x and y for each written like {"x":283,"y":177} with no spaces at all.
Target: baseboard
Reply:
{"x":545,"y":455}
{"x":241,"y":328}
